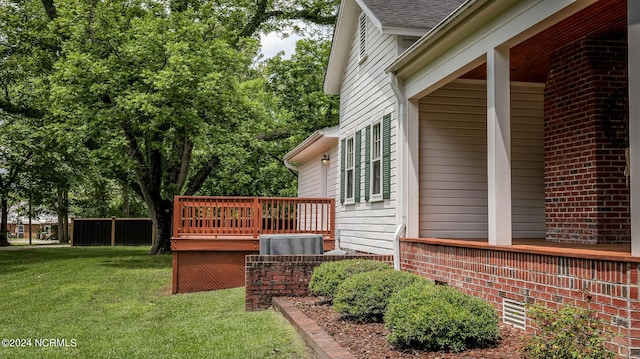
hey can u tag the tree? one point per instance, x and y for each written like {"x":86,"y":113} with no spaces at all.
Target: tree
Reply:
{"x":162,"y":86}
{"x":27,"y":51}
{"x":21,"y":156}
{"x":298,"y":83}
{"x":289,"y":99}
{"x":159,"y":92}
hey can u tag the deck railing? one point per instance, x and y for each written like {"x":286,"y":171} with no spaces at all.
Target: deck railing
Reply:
{"x":251,"y":216}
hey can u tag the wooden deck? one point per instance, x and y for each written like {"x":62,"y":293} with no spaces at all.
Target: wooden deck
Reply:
{"x":618,"y":252}
{"x":213,"y":235}
{"x":236,"y":223}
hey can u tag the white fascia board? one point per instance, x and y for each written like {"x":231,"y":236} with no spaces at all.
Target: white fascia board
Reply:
{"x":463,"y":12}
{"x":465,"y":46}
{"x":342,"y":35}
{"x":403,"y":31}
{"x":318,"y":141}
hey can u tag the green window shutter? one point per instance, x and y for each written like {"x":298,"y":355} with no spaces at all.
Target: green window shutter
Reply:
{"x":367,"y":163}
{"x":357,"y":165}
{"x":386,"y":156}
{"x":342,"y":168}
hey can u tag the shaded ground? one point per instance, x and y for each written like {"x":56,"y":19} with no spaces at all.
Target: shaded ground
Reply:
{"x":368,"y":341}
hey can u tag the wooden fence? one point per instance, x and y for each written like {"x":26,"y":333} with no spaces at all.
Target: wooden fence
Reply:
{"x":111,"y":232}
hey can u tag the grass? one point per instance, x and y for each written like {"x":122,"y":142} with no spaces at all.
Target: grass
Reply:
{"x":105,"y":302}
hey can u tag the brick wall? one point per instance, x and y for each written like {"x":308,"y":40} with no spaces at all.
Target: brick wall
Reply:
{"x":283,"y":276}
{"x":608,"y":286}
{"x":587,"y":198}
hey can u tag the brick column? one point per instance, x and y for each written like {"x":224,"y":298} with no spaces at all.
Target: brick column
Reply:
{"x":586,"y":122}
{"x":633,"y":13}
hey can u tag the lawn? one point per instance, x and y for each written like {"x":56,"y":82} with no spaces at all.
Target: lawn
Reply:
{"x":105,"y":302}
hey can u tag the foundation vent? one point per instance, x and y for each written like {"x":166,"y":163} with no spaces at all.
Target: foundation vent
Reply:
{"x":514,"y":314}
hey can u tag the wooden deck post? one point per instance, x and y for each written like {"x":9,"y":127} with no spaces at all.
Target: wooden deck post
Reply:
{"x":113,"y":231}
{"x":70,"y":231}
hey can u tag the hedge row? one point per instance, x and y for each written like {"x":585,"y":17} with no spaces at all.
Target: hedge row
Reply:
{"x":419,"y":314}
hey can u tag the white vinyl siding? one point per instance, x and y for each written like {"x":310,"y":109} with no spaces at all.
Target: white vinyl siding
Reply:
{"x":310,"y":179}
{"x":365,"y":97}
{"x":315,"y":180}
{"x":453,"y":161}
{"x":333,"y":172}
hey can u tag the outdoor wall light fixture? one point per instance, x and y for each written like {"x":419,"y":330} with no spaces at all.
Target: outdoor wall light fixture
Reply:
{"x":325,"y":160}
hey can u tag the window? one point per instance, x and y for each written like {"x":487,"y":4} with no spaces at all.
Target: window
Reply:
{"x":376,"y":160}
{"x":349,"y":169}
{"x":362,"y":28}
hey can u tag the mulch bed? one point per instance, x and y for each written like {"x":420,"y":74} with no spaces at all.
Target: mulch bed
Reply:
{"x":369,"y":340}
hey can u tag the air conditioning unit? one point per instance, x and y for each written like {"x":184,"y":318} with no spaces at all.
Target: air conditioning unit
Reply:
{"x":295,"y":243}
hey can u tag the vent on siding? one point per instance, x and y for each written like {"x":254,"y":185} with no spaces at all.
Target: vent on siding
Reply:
{"x":514,"y":314}
{"x":362,"y":25}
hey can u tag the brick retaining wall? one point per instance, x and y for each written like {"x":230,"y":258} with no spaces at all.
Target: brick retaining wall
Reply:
{"x":286,"y":275}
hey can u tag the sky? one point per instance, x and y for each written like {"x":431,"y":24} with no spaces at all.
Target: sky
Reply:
{"x":273,"y":43}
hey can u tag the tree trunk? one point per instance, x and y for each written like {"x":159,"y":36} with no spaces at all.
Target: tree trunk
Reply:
{"x":63,"y":216}
{"x":4,"y":241}
{"x":161,"y":218}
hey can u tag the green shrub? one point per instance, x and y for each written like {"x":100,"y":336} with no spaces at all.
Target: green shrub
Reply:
{"x":327,"y":276}
{"x":440,"y":318}
{"x":364,"y":296}
{"x":568,"y":332}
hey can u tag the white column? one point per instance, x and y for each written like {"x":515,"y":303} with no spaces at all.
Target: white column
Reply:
{"x":499,"y":146}
{"x":633,"y":10}
{"x":413,"y":178}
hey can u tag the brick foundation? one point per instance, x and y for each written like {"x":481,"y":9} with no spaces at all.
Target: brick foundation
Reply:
{"x":586,"y":122}
{"x":610,"y":287}
{"x":285,"y":276}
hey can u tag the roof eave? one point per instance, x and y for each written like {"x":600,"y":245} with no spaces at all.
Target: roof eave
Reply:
{"x":322,"y":138}
{"x":403,"y":31}
{"x":342,"y":35}
{"x":340,"y":46}
{"x":462,"y":13}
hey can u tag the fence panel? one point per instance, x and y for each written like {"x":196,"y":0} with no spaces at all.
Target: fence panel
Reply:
{"x":111,"y":231}
{"x":91,"y":232}
{"x":133,"y":232}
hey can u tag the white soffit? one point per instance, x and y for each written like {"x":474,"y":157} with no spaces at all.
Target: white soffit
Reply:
{"x":313,"y":146}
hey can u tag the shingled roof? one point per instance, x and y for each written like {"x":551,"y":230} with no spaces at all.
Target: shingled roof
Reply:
{"x":421,"y":14}
{"x":392,"y":17}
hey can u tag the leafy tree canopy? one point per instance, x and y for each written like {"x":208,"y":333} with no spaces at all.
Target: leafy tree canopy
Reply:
{"x":163,"y":96}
